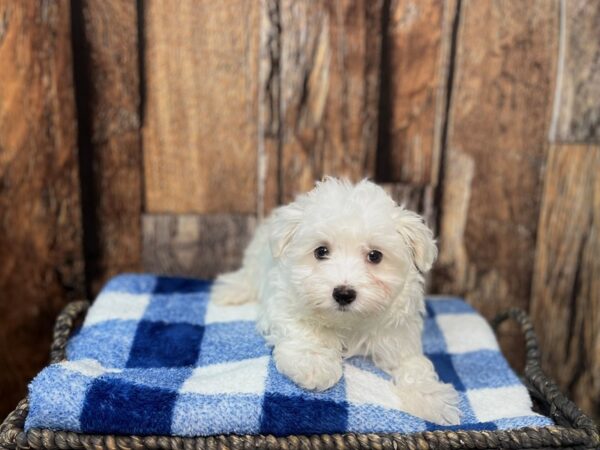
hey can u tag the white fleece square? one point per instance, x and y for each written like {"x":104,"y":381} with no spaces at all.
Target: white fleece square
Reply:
{"x":364,"y":387}
{"x":500,"y":403}
{"x":466,"y":333}
{"x":117,"y":305}
{"x":232,"y":313}
{"x":240,"y":377}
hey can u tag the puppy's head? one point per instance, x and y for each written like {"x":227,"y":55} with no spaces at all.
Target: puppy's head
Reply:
{"x":349,"y":248}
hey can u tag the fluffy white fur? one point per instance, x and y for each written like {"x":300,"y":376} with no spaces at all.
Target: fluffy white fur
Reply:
{"x":310,"y":332}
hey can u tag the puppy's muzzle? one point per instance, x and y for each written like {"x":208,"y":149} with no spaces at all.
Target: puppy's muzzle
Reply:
{"x":344,"y":295}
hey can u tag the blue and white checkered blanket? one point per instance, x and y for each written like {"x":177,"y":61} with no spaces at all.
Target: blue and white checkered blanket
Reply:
{"x":154,"y":356}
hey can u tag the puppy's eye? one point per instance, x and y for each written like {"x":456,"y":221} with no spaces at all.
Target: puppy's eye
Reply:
{"x":375,"y":256}
{"x":321,"y":252}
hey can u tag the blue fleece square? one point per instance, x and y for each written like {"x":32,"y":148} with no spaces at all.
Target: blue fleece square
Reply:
{"x":107,"y":342}
{"x":467,"y":415}
{"x":368,"y":365}
{"x":483,"y":369}
{"x":177,"y":308}
{"x":168,"y":379}
{"x":513,"y":423}
{"x":283,"y":415}
{"x":131,"y":284}
{"x":433,"y":338}
{"x":377,"y":419}
{"x":281,"y":384}
{"x":170,"y":286}
{"x":231,"y":341}
{"x":477,"y":426}
{"x":64,"y":413}
{"x":448,"y":305}
{"x":160,"y":344}
{"x":115,"y":406}
{"x":191,"y":411}
{"x":445,"y":369}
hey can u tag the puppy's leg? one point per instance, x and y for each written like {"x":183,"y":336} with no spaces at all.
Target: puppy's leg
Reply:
{"x":310,"y":358}
{"x":420,"y":392}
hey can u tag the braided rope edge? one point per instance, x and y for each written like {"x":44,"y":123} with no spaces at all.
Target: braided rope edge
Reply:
{"x":580,"y":434}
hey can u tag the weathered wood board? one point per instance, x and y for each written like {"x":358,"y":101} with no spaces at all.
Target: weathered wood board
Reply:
{"x":565,"y":304}
{"x":576,"y":115}
{"x":200,"y":124}
{"x":319,"y":111}
{"x":195,"y":245}
{"x":414,"y":70}
{"x":108,"y":97}
{"x":41,"y":260}
{"x":493,"y":164}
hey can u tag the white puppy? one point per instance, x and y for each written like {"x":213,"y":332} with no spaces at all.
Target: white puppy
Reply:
{"x":337,"y":273}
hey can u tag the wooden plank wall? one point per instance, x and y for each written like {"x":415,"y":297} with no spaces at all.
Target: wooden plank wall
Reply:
{"x":170,"y":129}
{"x":496,"y":145}
{"x":41,"y":262}
{"x":565,"y":302}
{"x":70,"y":160}
{"x":105,"y":41}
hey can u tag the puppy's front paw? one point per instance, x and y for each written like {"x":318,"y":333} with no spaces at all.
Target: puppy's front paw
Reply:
{"x":313,"y":369}
{"x":433,"y":401}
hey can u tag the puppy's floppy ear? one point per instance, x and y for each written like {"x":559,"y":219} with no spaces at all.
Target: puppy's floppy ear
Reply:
{"x":283,"y":224}
{"x":417,"y":236}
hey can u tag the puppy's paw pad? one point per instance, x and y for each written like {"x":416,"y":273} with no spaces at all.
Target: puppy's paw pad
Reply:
{"x":311,"y":370}
{"x":434,"y":401}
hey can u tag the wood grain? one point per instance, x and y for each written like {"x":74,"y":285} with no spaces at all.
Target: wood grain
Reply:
{"x":41,"y":261}
{"x":107,"y":78}
{"x":565,"y":305}
{"x":576,"y":108}
{"x":495,"y":152}
{"x":269,"y":142}
{"x":321,"y":110}
{"x":200,"y":126}
{"x":195,"y":245}
{"x":414,"y":72}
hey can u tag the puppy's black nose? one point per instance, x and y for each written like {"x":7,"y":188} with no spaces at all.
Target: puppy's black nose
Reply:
{"x":344,"y":295}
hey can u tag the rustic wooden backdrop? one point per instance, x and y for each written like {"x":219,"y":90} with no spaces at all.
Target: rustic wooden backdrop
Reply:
{"x":152,"y":135}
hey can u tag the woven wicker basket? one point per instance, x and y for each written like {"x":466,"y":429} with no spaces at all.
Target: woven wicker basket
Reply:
{"x":573,"y":429}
